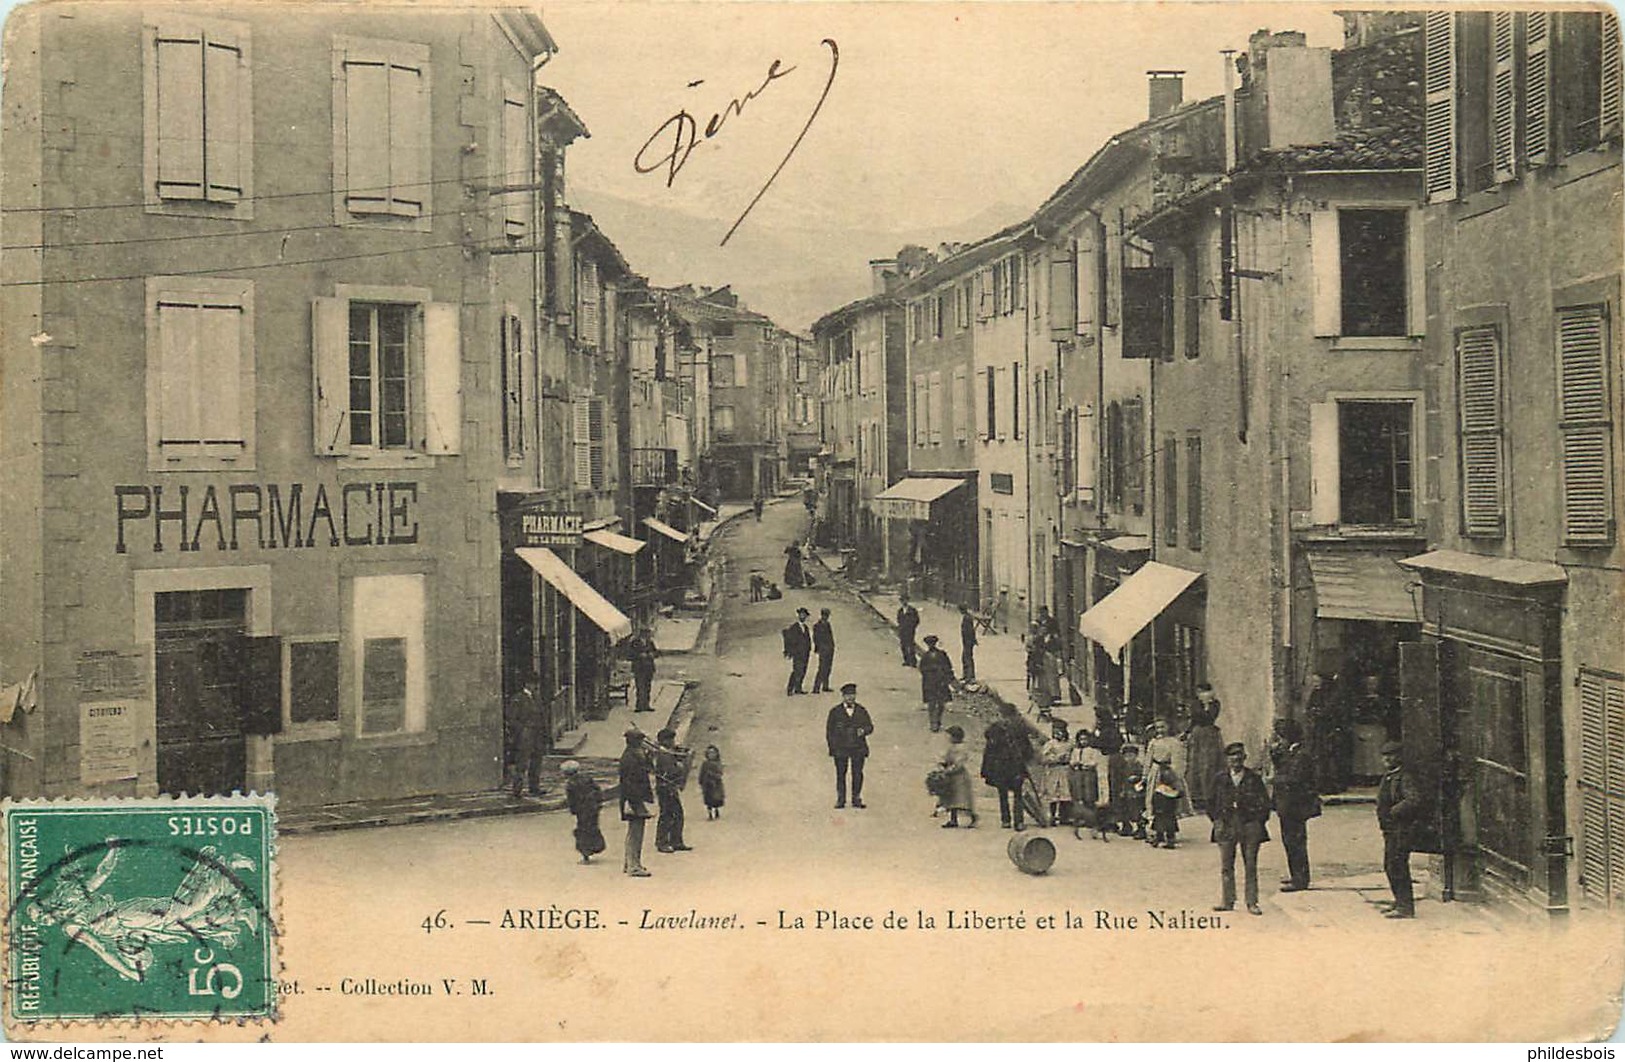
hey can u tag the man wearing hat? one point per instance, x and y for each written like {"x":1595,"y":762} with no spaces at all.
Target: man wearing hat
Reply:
{"x":1399,"y":805}
{"x":846,"y":732}
{"x":823,"y":643}
{"x":668,"y":792}
{"x":635,"y":796}
{"x":936,"y":681}
{"x":1295,"y":800}
{"x":797,"y":648}
{"x":527,"y":727}
{"x":1239,"y":806}
{"x":640,"y":649}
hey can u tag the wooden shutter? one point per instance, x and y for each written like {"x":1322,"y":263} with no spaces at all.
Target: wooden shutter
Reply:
{"x":516,"y":167}
{"x":1478,"y":352}
{"x":1326,"y":265}
{"x":513,"y":384}
{"x":1416,"y":277}
{"x":1582,"y":337}
{"x":178,"y":416}
{"x":921,"y":414}
{"x":224,"y":82}
{"x":1016,"y":396}
{"x":366,"y":136}
{"x":1537,"y":87}
{"x":408,"y":140}
{"x":985,"y":386}
{"x":180,"y":114}
{"x":442,"y":379}
{"x":1439,"y":89}
{"x":1134,"y":454}
{"x":1085,"y":248}
{"x":984,"y":294}
{"x":1602,"y":786}
{"x":259,"y":694}
{"x":961,"y":405}
{"x":1193,"y":494}
{"x":1503,"y":96}
{"x":1419,"y":708}
{"x":587,"y":289}
{"x":1084,"y":464}
{"x":935,"y":408}
{"x":330,"y":364}
{"x":1063,"y":291}
{"x":1018,"y":286}
{"x":1148,"y":313}
{"x":1324,"y":464}
{"x":219,"y":365}
{"x":1169,"y":489}
{"x":581,"y":414}
{"x":595,"y":441}
{"x":1608,"y":111}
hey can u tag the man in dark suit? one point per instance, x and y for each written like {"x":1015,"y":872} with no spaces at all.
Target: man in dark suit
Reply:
{"x":846,"y":732}
{"x":668,"y":794}
{"x":1007,"y":746}
{"x":1239,"y":806}
{"x":1399,"y":805}
{"x":823,"y":643}
{"x":908,"y":622}
{"x":527,"y":727}
{"x":797,"y":648}
{"x":936,"y":681}
{"x":1295,"y":800}
{"x":636,"y":792}
{"x":640,"y":649}
{"x":967,"y":644}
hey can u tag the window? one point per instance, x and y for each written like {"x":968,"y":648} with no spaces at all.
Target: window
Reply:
{"x":587,"y":435}
{"x":379,"y":379}
{"x":1583,"y":419}
{"x":722,"y":370}
{"x":936,"y":413}
{"x":1013,"y":284}
{"x":1580,"y":83}
{"x":1133,"y":455}
{"x":1368,"y":272}
{"x":990,"y":426}
{"x":1193,"y":494}
{"x":388,"y":373}
{"x":381,"y":132}
{"x":1483,"y":505}
{"x":513,"y":386}
{"x":1083,"y":452}
{"x":964,"y":296}
{"x":1170,"y":491}
{"x":1001,"y":289}
{"x":516,"y":162}
{"x":802,"y":367}
{"x":1375,"y":484}
{"x":312,"y":681}
{"x":200,"y":373}
{"x":387,"y":636}
{"x":197,"y":118}
{"x":589,"y":299}
{"x":939,"y":307}
{"x":964,"y":402}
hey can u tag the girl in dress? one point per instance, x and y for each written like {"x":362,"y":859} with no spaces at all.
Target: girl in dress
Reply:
{"x":583,"y":798}
{"x":956,"y":797}
{"x":1055,"y":789}
{"x":1088,"y":777}
{"x":711,"y":782}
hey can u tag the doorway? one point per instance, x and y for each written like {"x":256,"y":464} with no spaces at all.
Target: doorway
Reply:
{"x":198,"y":643}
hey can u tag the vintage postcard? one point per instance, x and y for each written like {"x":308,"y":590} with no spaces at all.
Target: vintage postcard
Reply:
{"x":812,"y":521}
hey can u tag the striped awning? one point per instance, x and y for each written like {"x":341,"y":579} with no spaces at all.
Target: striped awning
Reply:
{"x":595,"y":606}
{"x":1361,"y":585}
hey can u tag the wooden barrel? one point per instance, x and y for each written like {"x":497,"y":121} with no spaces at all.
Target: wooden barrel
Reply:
{"x":1031,"y":853}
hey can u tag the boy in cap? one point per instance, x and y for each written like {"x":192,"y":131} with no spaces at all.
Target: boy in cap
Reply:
{"x":1399,"y":804}
{"x":636,"y":792}
{"x":846,"y":733}
{"x":1239,"y":807}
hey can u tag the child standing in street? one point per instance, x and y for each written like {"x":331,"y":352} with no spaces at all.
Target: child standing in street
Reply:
{"x":711,"y":782}
{"x":583,"y":798}
{"x":1166,"y":793}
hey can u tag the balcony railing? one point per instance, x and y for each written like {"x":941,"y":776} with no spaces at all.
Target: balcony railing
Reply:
{"x":653,"y":467}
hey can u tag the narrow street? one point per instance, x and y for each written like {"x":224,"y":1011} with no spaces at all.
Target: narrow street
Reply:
{"x":782,"y":851}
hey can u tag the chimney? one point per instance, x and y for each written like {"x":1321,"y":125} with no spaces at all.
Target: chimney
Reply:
{"x":1296,"y":84}
{"x":1166,"y":90}
{"x":882,"y":275}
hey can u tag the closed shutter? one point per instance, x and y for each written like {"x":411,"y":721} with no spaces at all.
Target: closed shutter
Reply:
{"x":442,"y":379}
{"x":408,"y":140}
{"x":961,"y":396}
{"x":596,"y":442}
{"x":1017,"y":394}
{"x":513,"y":385}
{"x":224,"y":76}
{"x":1066,"y":473}
{"x":1439,"y":88}
{"x":1537,"y":87}
{"x":1608,"y":113}
{"x":990,"y":407}
{"x":516,"y":168}
{"x":1324,"y":464}
{"x":259,"y":693}
{"x":1325,"y":251}
{"x":1134,"y":455}
{"x":1602,"y":787}
{"x":1170,"y":490}
{"x":1478,"y":352}
{"x":581,"y":435}
{"x":1502,"y":96}
{"x":1193,"y":496}
{"x":366,"y":136}
{"x":1582,"y":335}
{"x":936,"y":408}
{"x":330,"y":365}
{"x":587,"y":288}
{"x":180,"y":114}
{"x":219,"y":372}
{"x":1084,"y":464}
{"x":1063,"y":290}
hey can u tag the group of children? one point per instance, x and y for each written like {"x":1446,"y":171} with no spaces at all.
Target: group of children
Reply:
{"x":583,"y":798}
{"x":1088,"y":784}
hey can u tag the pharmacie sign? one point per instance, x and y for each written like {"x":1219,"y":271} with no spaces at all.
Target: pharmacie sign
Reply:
{"x":540,"y":527}
{"x":236,"y":516}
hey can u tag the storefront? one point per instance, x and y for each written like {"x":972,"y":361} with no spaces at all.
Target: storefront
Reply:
{"x":668,"y":548}
{"x":940,"y":513}
{"x":1122,"y":625}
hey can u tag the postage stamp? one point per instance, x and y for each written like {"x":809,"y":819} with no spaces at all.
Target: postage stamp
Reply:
{"x":149,"y":909}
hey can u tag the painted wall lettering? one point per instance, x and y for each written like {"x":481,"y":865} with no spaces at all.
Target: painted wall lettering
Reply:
{"x":265,"y":516}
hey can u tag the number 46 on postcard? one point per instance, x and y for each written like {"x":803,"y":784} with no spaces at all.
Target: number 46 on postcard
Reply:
{"x":144,"y":909}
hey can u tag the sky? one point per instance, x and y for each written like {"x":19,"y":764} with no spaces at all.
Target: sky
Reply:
{"x":942,"y":120}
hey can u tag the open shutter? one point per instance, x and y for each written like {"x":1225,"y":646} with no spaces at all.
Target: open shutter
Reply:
{"x":961,"y":407}
{"x":442,"y":379}
{"x":1537,"y":87}
{"x":1608,"y":112}
{"x":515,"y":165}
{"x":1479,"y":365}
{"x":1148,"y":313}
{"x":1503,"y":96}
{"x":1017,"y":397}
{"x":366,"y":135}
{"x":259,"y":694}
{"x":180,"y":114}
{"x":1018,"y":283}
{"x":1063,"y":291}
{"x":408,"y":140}
{"x":1088,"y":269}
{"x":1135,"y":453}
{"x":1084,"y":465}
{"x":223,"y":84}
{"x":595,"y":441}
{"x":581,"y":436}
{"x":936,"y":408}
{"x":330,"y":362}
{"x":1324,"y":466}
{"x":984,"y":294}
{"x":1416,"y":276}
{"x":1582,"y":335}
{"x":1439,"y":87}
{"x":1325,"y":250}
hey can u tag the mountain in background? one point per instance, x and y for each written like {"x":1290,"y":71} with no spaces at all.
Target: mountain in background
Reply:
{"x":793,"y":273}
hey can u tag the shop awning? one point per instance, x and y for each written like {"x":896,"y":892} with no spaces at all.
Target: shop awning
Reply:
{"x":910,"y":499}
{"x":1361,"y":586}
{"x":1120,"y":615}
{"x":611,"y":620}
{"x":613,"y":540}
{"x":665,"y":529}
{"x":1498,"y":569}
{"x":1128,"y":544}
{"x":704,"y":506}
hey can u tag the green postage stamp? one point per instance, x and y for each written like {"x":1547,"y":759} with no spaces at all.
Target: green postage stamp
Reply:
{"x":148,"y":909}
